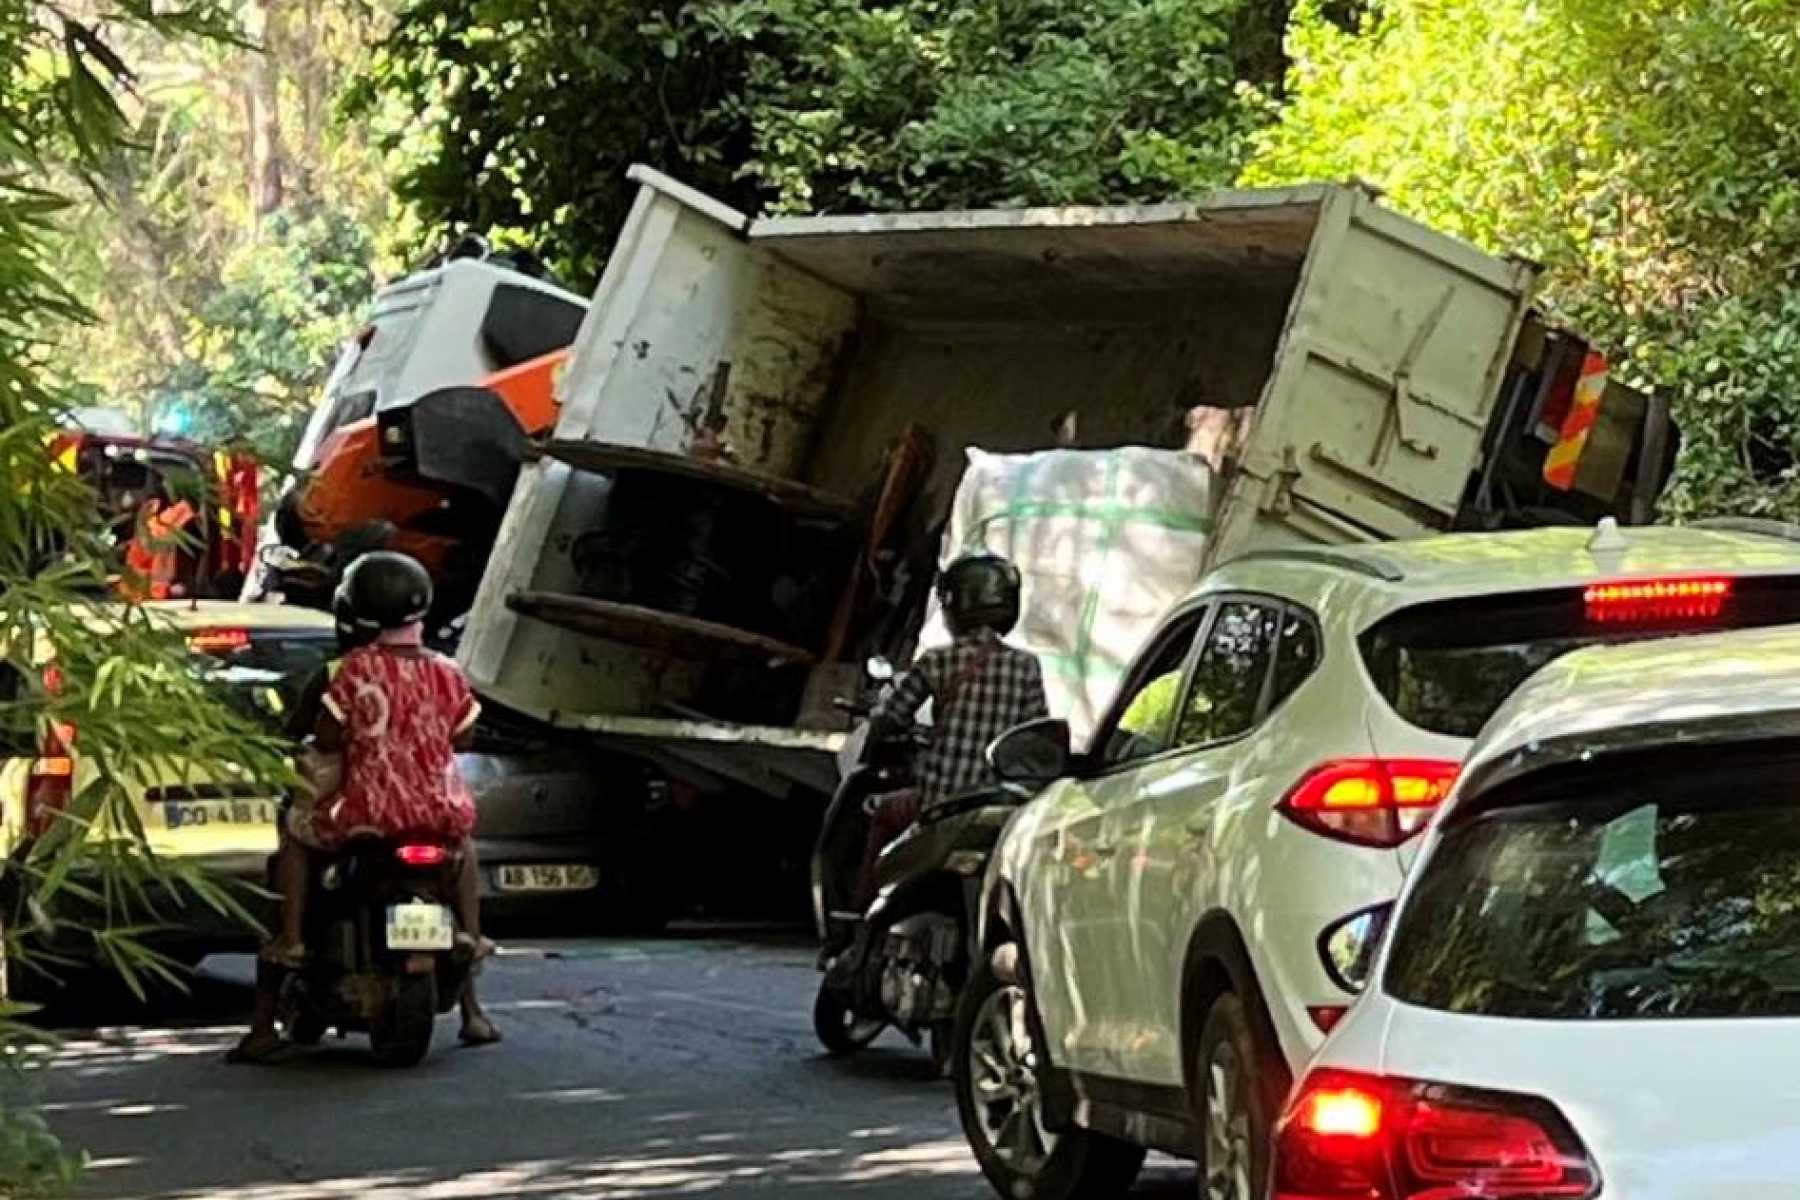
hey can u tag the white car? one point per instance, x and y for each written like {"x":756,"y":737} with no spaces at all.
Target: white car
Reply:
{"x":1592,"y":984}
{"x":1191,"y":902}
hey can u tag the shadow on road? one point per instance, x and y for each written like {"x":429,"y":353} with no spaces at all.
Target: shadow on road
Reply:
{"x":633,"y":1071}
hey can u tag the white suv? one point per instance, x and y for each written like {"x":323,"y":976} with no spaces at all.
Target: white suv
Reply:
{"x":1169,"y":930}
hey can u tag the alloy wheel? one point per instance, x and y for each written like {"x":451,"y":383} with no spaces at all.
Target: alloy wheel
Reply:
{"x":1003,"y":1072}
{"x":1229,"y":1160}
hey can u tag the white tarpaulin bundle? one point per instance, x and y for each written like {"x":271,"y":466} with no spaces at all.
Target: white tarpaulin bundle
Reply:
{"x":1107,"y":541}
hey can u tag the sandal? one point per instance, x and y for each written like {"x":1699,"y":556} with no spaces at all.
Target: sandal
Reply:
{"x":479,"y":1032}
{"x":291,"y":955}
{"x":260,"y":1048}
{"x":476,"y":948}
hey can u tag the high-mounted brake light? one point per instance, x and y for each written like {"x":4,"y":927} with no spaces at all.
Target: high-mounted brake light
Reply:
{"x":1370,"y":801}
{"x":1656,"y":600}
{"x":219,"y":641}
{"x":1349,"y":1136}
{"x":421,"y":856}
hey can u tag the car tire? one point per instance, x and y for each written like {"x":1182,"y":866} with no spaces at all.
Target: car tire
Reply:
{"x":402,"y":1035}
{"x":839,"y":1029}
{"x":1236,"y":1096}
{"x":999,"y":1096}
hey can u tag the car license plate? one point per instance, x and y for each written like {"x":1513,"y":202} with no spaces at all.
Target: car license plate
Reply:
{"x":549,"y":877}
{"x":419,"y":926}
{"x":198,"y":814}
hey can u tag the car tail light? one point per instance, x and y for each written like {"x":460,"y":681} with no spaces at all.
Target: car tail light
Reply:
{"x":1638,"y":600}
{"x":219,"y":641}
{"x":422,"y":856}
{"x":51,"y":784}
{"x":1349,"y":1136}
{"x":1370,"y":801}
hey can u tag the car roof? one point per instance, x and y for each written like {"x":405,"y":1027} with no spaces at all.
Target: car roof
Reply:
{"x":1707,"y":688}
{"x":209,"y":614}
{"x":1377,"y":578}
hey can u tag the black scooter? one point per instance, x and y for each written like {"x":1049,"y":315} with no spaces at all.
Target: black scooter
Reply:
{"x":904,"y":960}
{"x":385,"y":956}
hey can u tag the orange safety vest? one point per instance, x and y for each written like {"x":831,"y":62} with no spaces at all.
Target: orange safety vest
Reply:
{"x":150,"y":559}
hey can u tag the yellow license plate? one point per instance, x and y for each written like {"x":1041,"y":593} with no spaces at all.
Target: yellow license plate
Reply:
{"x":200,"y":814}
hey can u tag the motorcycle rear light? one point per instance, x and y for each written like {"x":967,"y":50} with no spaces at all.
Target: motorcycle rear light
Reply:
{"x":1349,"y":1136}
{"x":1370,"y":801}
{"x":1643,"y":600}
{"x":422,"y":856}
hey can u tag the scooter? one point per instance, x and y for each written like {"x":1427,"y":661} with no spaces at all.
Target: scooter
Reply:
{"x":385,"y":956}
{"x":903,"y":961}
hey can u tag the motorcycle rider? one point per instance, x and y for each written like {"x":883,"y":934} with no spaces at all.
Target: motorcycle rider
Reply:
{"x":396,"y":711}
{"x":980,"y":687}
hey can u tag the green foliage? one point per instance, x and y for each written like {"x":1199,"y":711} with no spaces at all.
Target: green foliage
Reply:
{"x":127,"y":680}
{"x":226,"y":249}
{"x":525,"y":113}
{"x":259,"y":348}
{"x":1647,"y":153}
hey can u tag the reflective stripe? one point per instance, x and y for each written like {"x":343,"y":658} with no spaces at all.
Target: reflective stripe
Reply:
{"x":1565,"y":457}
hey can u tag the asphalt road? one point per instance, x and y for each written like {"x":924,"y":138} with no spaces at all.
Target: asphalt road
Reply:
{"x":683,"y":1066}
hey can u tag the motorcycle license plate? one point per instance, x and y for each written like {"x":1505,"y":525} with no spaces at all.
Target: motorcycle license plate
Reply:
{"x":419,"y":926}
{"x":549,"y":877}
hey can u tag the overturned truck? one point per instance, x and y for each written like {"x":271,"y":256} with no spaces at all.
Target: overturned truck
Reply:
{"x":764,"y":425}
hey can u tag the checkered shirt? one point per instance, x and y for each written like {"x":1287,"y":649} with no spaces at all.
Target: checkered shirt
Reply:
{"x":982,"y":704}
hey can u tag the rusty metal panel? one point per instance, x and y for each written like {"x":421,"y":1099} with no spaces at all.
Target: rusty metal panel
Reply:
{"x":693,"y":334}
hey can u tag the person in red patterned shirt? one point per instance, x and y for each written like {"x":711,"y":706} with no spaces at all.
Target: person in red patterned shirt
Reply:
{"x":396,"y":713}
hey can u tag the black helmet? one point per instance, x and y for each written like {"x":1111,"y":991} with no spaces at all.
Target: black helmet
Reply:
{"x":979,"y":591}
{"x":382,"y":590}
{"x":349,"y":634}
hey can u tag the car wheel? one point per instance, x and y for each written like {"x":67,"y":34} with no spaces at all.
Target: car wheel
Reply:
{"x":840,"y":1030}
{"x":1234,"y":1111}
{"x":999,"y":1096}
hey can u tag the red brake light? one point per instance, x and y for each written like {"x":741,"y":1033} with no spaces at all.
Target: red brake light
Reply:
{"x":1361,"y":1137}
{"x":1370,"y":801}
{"x":422,"y":856}
{"x":1656,"y":600}
{"x":219,"y":641}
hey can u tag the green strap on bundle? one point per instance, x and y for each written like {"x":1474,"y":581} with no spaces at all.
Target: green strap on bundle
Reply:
{"x":1113,"y":515}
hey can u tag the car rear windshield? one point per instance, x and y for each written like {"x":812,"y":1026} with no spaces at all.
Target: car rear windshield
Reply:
{"x":1447,"y":666}
{"x":275,"y":677}
{"x":1663,"y":890}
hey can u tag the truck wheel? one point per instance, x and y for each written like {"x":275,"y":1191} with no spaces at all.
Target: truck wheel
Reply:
{"x":1234,"y":1111}
{"x":840,"y":1030}
{"x":402,"y":1036}
{"x":999,"y":1095}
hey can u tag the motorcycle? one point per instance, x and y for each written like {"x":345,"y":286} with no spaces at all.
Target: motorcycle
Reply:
{"x":903,"y":961}
{"x":385,"y":956}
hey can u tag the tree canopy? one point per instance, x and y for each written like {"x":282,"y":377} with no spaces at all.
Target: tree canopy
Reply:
{"x":529,"y":111}
{"x":1647,"y":153}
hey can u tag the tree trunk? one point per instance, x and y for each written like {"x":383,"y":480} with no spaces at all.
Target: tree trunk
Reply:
{"x":268,"y":184}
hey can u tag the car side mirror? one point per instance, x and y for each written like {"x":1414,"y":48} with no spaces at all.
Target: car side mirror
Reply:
{"x":1348,"y":947}
{"x":1032,"y":754}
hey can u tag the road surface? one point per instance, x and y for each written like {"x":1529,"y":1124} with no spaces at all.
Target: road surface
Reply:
{"x":674,"y":1067}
